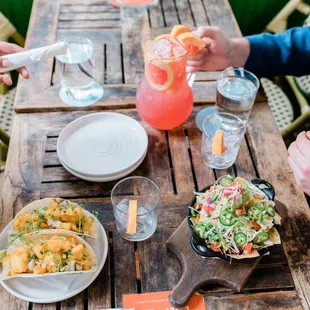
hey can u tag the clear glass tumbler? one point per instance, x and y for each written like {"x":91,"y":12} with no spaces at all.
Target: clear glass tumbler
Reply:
{"x":146,"y":192}
{"x":233,"y":129}
{"x":236,"y":90}
{"x":78,"y":87}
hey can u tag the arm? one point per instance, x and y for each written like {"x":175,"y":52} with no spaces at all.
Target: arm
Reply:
{"x":287,"y":53}
{"x":263,"y":54}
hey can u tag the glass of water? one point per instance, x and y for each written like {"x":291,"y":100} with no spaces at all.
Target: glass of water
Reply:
{"x":233,"y":129}
{"x":78,"y":87}
{"x":236,"y":90}
{"x":147,"y":195}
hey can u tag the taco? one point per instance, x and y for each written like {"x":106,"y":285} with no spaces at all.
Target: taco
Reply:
{"x":47,"y":252}
{"x":235,"y":218}
{"x":54,"y":213}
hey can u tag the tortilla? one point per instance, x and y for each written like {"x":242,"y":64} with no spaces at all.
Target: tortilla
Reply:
{"x":253,"y":254}
{"x":45,"y":235}
{"x":38,"y":204}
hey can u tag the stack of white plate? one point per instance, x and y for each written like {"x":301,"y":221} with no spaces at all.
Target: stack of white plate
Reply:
{"x":102,"y":147}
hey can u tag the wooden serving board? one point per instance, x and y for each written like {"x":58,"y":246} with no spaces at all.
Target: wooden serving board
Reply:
{"x":199,"y":271}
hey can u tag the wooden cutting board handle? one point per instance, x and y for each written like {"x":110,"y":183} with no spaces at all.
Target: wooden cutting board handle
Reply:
{"x":199,"y":271}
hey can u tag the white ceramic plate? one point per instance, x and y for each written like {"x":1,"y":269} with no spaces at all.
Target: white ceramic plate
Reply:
{"x":59,"y":287}
{"x":104,"y":178}
{"x":102,"y":144}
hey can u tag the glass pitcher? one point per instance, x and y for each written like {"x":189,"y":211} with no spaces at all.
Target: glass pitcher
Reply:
{"x":164,"y":98}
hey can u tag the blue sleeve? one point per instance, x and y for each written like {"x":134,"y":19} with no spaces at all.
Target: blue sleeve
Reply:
{"x":287,"y":53}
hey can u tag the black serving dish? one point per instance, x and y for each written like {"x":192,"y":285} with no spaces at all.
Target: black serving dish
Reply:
{"x":198,"y":244}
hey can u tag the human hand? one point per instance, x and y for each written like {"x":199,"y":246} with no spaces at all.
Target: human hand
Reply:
{"x":220,"y":52}
{"x":5,"y":49}
{"x":299,"y":160}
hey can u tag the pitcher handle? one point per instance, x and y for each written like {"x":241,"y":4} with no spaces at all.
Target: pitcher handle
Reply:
{"x":191,"y":79}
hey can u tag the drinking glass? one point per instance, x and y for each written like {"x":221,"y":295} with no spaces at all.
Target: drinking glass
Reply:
{"x":146,"y":192}
{"x":233,"y":129}
{"x":236,"y":90}
{"x":78,"y":87}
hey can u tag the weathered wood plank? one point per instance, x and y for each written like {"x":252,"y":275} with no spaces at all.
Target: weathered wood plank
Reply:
{"x":51,"y":159}
{"x":274,"y":168}
{"x":244,"y":165}
{"x":76,"y":24}
{"x":114,"y":64}
{"x":181,"y":161}
{"x":57,"y":174}
{"x":157,"y":16}
{"x":170,"y":13}
{"x":267,"y":301}
{"x":69,"y":16}
{"x":82,"y":8}
{"x":206,"y":76}
{"x":111,"y":35}
{"x":184,"y":13}
{"x":151,"y":253}
{"x":199,"y":13}
{"x":135,"y":25}
{"x":74,"y":303}
{"x":204,"y":175}
{"x":124,"y":268}
{"x":52,"y":306}
{"x":42,"y":31}
{"x":219,"y":14}
{"x":99,"y":292}
{"x":115,"y":96}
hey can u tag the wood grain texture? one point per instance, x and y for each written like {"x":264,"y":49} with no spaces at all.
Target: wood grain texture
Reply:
{"x":275,"y":169}
{"x":114,"y":64}
{"x":267,"y":301}
{"x":181,"y":160}
{"x":99,"y":63}
{"x":219,"y":14}
{"x":124,"y":268}
{"x":170,"y":13}
{"x":76,"y":302}
{"x":184,"y":13}
{"x":51,"y":306}
{"x":42,"y":31}
{"x":157,"y":16}
{"x":135,"y":26}
{"x":100,"y":23}
{"x":111,"y":35}
{"x":199,"y":13}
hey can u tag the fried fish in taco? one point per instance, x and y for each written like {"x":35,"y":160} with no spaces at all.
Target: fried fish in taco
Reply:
{"x":47,"y":252}
{"x":55,"y":213}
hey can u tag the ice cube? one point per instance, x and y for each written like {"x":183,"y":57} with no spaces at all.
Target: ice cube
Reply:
{"x":178,"y":50}
{"x":161,"y":48}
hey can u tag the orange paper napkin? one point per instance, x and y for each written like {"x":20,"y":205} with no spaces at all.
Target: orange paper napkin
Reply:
{"x":132,"y":2}
{"x":159,"y":301}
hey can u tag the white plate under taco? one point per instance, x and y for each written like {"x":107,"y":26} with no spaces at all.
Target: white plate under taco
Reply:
{"x":58,"y":287}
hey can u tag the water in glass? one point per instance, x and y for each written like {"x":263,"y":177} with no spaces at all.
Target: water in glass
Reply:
{"x":236,"y":92}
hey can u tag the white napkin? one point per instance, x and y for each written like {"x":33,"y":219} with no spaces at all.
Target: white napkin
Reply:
{"x":33,"y":56}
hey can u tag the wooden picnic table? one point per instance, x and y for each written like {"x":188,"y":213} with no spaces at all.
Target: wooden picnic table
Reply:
{"x":281,"y":281}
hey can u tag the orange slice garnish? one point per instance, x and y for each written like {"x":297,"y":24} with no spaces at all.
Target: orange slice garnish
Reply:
{"x":163,"y":36}
{"x":159,"y":74}
{"x":179,"y":29}
{"x":192,"y":43}
{"x":218,"y":147}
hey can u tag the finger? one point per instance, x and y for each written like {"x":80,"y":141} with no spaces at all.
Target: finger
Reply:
{"x":24,"y":72}
{"x":303,"y":144}
{"x":199,"y":56}
{"x":308,"y":135}
{"x":4,"y":63}
{"x":5,"y":78}
{"x":299,"y":159}
{"x":296,"y":171}
{"x":9,"y":48}
{"x":193,"y":63}
{"x":208,"y":31}
{"x":191,"y":69}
